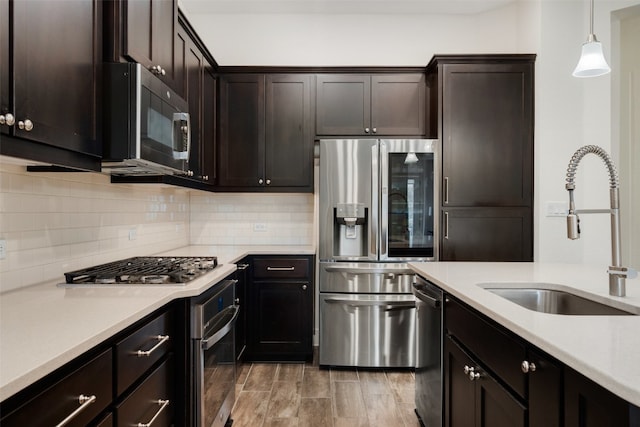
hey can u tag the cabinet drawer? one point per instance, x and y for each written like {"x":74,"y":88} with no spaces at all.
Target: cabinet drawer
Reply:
{"x":55,"y":404}
{"x":499,"y":352}
{"x":152,"y":397}
{"x":136,"y":353}
{"x":281,"y":268}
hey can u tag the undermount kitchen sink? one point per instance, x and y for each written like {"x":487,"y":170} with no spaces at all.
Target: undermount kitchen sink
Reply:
{"x":554,"y":301}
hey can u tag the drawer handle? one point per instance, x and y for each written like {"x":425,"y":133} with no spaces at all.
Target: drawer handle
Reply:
{"x":84,"y":401}
{"x":527,"y":366}
{"x":161,"y":339}
{"x":163,"y":404}
{"x":281,"y":268}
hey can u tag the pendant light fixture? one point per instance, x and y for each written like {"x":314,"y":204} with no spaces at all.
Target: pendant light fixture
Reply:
{"x":592,"y":62}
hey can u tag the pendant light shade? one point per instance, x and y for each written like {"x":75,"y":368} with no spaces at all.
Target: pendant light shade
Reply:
{"x":592,"y":62}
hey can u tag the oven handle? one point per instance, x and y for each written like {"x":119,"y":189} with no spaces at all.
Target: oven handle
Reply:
{"x":356,"y":303}
{"x":231,"y":313}
{"x":369,"y":270}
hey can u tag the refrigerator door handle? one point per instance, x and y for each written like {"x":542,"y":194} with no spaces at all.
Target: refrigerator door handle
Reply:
{"x":375,"y":192}
{"x":384,"y":200}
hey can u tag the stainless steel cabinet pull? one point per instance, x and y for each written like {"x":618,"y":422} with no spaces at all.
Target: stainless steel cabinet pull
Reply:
{"x":375,"y":130}
{"x":26,"y":125}
{"x":243,"y":266}
{"x":304,"y":287}
{"x":471,"y":372}
{"x":446,"y":225}
{"x":280,"y":268}
{"x":446,"y":189}
{"x":366,"y":130}
{"x":163,"y":404}
{"x":527,"y":366}
{"x":84,"y":401}
{"x":268,"y":182}
{"x":161,"y":339}
{"x":7,"y":119}
{"x":260,"y":181}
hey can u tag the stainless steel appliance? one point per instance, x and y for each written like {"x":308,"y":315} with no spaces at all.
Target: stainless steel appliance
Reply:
{"x":147,"y":124}
{"x":143,"y":271}
{"x":429,"y":342}
{"x":214,"y":365}
{"x":377,"y":211}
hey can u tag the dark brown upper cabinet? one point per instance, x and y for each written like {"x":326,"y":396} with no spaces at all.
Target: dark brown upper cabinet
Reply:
{"x":51,"y":81}
{"x":356,"y":104}
{"x":266,"y":137}
{"x":145,"y":31}
{"x":483,"y":108}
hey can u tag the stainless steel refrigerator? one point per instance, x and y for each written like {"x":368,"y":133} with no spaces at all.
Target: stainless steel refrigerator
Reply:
{"x":377,"y":211}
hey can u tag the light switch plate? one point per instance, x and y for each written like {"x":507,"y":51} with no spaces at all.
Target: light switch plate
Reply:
{"x":557,"y":208}
{"x":259,"y":226}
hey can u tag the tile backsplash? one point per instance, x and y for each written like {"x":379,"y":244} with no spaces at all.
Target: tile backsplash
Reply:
{"x":252,"y":219}
{"x":52,"y":223}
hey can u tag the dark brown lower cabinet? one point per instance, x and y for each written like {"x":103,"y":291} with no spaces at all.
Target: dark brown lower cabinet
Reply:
{"x":280,"y":309}
{"x":587,"y":404}
{"x":125,"y":381}
{"x":473,"y":398}
{"x":88,"y":387}
{"x":151,"y":402}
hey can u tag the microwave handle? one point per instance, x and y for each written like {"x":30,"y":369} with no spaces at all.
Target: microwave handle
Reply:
{"x":182,"y":120}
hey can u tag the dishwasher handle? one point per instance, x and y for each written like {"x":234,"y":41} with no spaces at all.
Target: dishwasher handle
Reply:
{"x":424,"y":297}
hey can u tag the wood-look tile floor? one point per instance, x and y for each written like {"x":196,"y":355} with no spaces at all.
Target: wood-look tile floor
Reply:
{"x":299,"y":394}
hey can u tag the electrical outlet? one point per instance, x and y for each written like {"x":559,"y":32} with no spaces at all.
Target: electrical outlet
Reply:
{"x":557,"y":208}
{"x":3,"y":248}
{"x":259,"y":226}
{"x":133,"y":234}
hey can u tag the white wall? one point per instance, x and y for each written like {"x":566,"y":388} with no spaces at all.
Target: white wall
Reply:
{"x":355,"y":39}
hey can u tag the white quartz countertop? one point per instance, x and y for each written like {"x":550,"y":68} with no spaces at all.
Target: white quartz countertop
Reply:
{"x":42,"y":327}
{"x":605,"y":349}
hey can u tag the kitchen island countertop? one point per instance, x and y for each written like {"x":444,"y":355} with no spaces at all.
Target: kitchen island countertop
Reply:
{"x":44,"y":326}
{"x":605,"y":349}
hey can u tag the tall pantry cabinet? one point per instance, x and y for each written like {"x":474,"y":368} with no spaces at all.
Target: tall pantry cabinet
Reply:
{"x":481,"y":108}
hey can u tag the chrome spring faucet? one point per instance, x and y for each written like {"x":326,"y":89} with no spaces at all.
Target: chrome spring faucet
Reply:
{"x":617,"y":273}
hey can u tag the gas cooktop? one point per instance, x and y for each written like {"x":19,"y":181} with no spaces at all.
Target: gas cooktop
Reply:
{"x":144,"y":271}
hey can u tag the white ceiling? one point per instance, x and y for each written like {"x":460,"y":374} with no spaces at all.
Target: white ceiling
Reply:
{"x":340,"y":6}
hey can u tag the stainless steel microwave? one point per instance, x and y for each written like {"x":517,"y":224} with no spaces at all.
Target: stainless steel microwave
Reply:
{"x":146,"y":124}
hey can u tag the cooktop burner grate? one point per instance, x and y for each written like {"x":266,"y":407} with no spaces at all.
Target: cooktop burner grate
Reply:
{"x":144,"y":270}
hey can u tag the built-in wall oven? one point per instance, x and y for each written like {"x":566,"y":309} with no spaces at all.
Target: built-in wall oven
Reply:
{"x":214,"y":377}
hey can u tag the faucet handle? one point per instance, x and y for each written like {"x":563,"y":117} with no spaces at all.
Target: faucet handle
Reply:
{"x":626,"y":272}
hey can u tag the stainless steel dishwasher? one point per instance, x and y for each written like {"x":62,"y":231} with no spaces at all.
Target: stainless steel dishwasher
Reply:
{"x":429,"y":321}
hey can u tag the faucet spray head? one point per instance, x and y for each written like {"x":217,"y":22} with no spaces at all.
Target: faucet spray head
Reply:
{"x":573,"y":221}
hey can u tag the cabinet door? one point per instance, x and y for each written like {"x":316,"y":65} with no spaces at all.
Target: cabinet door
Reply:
{"x":459,"y":391}
{"x":487,"y":134}
{"x":486,"y":234}
{"x":545,"y":391}
{"x":5,"y":100}
{"x":398,"y":104}
{"x":208,"y":162}
{"x":589,"y":405}
{"x":241,"y":130}
{"x":56,"y":73}
{"x":343,"y":104}
{"x":282,"y":320}
{"x":195,"y":98}
{"x":150,"y":34}
{"x":289,"y":134}
{"x":478,"y":401}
